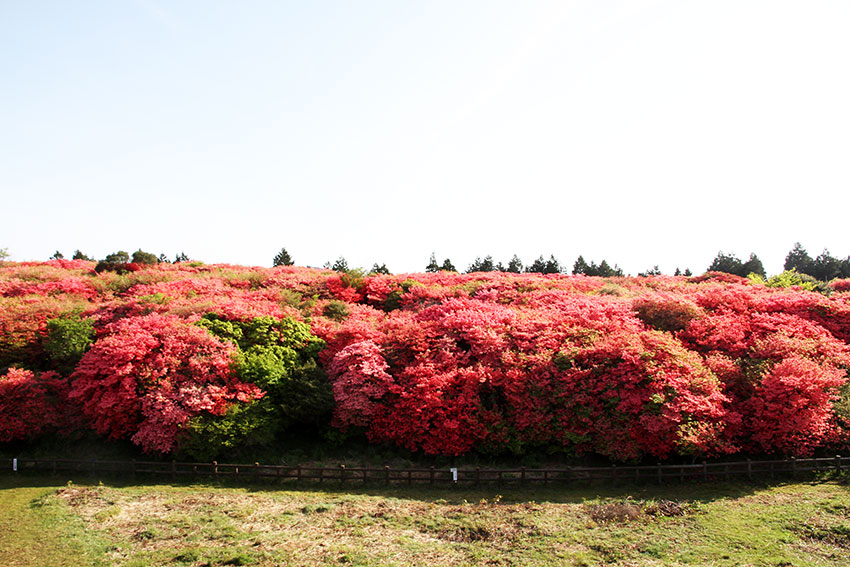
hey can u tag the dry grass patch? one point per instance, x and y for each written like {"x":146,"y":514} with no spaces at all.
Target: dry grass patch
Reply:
{"x":208,"y":526}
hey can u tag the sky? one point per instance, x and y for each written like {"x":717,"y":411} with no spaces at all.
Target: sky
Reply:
{"x":640,"y":132}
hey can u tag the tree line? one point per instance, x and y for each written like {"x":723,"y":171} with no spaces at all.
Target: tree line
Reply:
{"x":823,"y":267}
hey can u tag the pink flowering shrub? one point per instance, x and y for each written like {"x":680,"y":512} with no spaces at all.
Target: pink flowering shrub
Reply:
{"x":147,"y":376}
{"x":360,"y":378}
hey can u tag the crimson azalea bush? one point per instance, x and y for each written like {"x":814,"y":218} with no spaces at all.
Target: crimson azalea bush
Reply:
{"x":147,"y":376}
{"x":33,"y":404}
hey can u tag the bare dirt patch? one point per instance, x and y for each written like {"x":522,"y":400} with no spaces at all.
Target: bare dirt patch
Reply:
{"x":632,"y":511}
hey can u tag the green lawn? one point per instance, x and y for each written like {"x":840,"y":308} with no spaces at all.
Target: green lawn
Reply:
{"x":44,"y":523}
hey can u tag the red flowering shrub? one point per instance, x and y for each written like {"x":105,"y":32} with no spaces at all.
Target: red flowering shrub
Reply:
{"x":33,"y":404}
{"x":763,"y":358}
{"x":360,"y":378}
{"x":148,"y":375}
{"x":791,"y":407}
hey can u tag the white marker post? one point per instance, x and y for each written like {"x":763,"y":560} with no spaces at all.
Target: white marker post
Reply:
{"x":14,"y":465}
{"x":454,"y":475}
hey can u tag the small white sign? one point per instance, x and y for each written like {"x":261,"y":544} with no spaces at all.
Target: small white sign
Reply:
{"x":15,"y":465}
{"x":454,"y":475}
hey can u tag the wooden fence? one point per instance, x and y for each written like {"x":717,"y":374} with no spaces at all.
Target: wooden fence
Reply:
{"x":280,"y":474}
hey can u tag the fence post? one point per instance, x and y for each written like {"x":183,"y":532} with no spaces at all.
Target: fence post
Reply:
{"x":749,"y":469}
{"x":215,"y":469}
{"x":659,"y":473}
{"x":342,"y":474}
{"x":838,"y":463}
{"x":298,"y":474}
{"x":256,"y":471}
{"x":321,"y":474}
{"x":522,"y":477}
{"x":387,"y":474}
{"x":431,"y":475}
{"x":793,"y":467}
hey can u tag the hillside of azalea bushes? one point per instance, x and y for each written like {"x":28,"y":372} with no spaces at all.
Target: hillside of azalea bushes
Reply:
{"x":193,"y":359}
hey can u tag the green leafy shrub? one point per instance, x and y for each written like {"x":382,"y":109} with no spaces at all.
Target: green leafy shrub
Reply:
{"x":254,"y":424}
{"x":280,"y":357}
{"x":336,"y":310}
{"x":791,"y":278}
{"x":68,"y":338}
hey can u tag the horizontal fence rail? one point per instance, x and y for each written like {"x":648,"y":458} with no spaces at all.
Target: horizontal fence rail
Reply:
{"x":614,"y":474}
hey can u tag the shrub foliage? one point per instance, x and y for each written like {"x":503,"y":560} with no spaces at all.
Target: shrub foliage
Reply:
{"x":206,"y":359}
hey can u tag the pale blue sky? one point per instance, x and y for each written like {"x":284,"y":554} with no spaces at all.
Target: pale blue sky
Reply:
{"x":642,"y":132}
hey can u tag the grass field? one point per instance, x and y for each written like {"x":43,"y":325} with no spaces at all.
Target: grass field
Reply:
{"x":44,"y":523}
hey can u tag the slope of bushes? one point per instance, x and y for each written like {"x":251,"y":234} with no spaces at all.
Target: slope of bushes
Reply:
{"x":198,"y":359}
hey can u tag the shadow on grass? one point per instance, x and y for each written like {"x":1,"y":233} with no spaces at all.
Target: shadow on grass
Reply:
{"x":562,"y":493}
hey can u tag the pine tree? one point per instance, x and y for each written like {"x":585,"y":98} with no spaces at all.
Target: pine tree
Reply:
{"x":341,"y":265}
{"x":552,"y":266}
{"x":282,"y":258}
{"x":580,"y":266}
{"x":537,"y":267}
{"x":798,"y":259}
{"x":515,"y":265}
{"x":479,"y":265}
{"x":752,"y":266}
{"x":432,"y":264}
